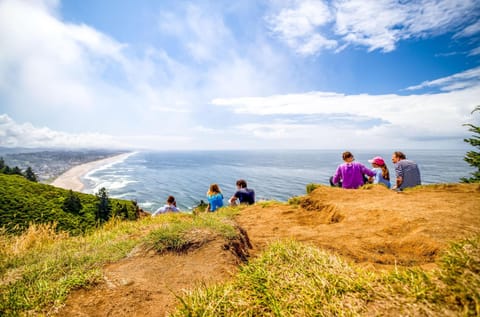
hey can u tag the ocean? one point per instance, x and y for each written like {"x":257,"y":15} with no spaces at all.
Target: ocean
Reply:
{"x":149,"y":177}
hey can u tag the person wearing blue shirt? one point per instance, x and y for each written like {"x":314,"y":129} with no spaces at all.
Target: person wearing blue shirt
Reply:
{"x":382,"y":175}
{"x":215,"y":198}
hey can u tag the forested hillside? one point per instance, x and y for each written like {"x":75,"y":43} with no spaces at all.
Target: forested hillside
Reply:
{"x":23,"y":202}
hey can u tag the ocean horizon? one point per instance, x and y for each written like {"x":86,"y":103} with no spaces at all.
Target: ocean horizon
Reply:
{"x":149,"y":177}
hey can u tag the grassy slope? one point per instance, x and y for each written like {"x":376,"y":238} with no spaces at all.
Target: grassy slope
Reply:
{"x":40,"y":267}
{"x":23,"y":202}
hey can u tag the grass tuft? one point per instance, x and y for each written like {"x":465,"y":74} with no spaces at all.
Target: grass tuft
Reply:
{"x":461,"y":274}
{"x":289,"y":279}
{"x":179,"y":236}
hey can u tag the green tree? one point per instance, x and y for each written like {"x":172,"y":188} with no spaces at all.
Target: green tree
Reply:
{"x":2,"y":164}
{"x":72,"y":203}
{"x":473,"y":157}
{"x":16,"y":171}
{"x":104,"y":206}
{"x":30,"y":175}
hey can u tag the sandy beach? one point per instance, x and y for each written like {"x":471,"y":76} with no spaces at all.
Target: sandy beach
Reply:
{"x":71,"y":179}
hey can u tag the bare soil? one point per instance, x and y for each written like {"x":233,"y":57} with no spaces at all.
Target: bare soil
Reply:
{"x":375,"y":227}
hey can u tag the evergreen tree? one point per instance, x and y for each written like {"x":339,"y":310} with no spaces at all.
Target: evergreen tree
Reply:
{"x":104,"y":206}
{"x":473,"y":157}
{"x":7,"y":170}
{"x":72,"y":203}
{"x":16,"y":171}
{"x":2,"y":164}
{"x":30,"y":175}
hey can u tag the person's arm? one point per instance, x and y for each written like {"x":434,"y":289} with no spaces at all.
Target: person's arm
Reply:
{"x":399,"y":181}
{"x":233,"y":199}
{"x":367,"y":171}
{"x":336,"y":176}
{"x":399,"y":173}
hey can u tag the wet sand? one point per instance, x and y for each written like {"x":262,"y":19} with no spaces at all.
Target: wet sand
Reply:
{"x":71,"y":179}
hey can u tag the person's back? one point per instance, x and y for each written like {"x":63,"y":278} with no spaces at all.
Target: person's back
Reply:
{"x":243,"y":194}
{"x":379,"y":179}
{"x":170,"y":206}
{"x":382,"y":174}
{"x":215,"y":201}
{"x":409,"y":172}
{"x":246,"y":196}
{"x":351,"y":173}
{"x":215,"y":197}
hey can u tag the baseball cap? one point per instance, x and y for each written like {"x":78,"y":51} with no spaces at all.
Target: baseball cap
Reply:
{"x":377,"y":160}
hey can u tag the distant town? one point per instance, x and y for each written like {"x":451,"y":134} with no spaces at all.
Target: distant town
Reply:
{"x":49,"y":164}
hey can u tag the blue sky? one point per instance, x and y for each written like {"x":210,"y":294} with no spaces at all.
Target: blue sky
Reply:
{"x":281,"y":74}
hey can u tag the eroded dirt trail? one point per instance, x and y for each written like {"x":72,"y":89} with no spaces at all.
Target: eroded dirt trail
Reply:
{"x":145,"y":284}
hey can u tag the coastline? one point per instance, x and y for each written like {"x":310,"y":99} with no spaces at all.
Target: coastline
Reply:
{"x":71,"y":179}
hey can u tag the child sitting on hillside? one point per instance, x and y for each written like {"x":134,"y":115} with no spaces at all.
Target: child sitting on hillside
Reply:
{"x":215,"y":198}
{"x":382,"y":175}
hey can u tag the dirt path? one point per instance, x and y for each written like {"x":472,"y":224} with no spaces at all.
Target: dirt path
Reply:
{"x":146,"y":284}
{"x":375,"y":227}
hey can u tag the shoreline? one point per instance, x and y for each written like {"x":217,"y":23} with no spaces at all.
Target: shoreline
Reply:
{"x":71,"y":179}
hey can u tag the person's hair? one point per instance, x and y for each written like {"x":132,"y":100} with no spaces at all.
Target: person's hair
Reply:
{"x":242,"y":183}
{"x":346,"y":155}
{"x":171,"y":199}
{"x":214,"y":189}
{"x":400,"y":155}
{"x":385,"y":172}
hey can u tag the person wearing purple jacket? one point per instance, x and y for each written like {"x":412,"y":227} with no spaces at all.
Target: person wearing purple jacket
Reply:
{"x":351,"y":173}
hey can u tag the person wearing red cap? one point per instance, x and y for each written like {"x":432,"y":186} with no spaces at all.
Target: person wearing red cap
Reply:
{"x":382,"y":175}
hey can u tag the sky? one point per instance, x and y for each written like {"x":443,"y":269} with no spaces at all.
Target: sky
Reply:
{"x":250,"y":74}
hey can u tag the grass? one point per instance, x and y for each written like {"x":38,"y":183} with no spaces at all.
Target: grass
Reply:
{"x":39,"y":268}
{"x":293,"y":279}
{"x":180,"y":232}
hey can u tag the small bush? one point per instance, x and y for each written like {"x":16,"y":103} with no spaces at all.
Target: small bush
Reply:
{"x":311,"y":187}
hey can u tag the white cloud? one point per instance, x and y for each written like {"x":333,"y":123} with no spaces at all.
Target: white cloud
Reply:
{"x":52,"y":63}
{"x":397,"y":120}
{"x":13,"y":134}
{"x":202,"y":32}
{"x":298,"y":26}
{"x":475,"y":51}
{"x":376,"y":25}
{"x":466,"y":79}
{"x":470,"y":30}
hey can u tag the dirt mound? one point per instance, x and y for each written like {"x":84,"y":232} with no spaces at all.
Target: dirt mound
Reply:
{"x":146,"y":283}
{"x":371,"y":225}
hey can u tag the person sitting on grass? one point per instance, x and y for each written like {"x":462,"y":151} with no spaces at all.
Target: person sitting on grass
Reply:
{"x":171,"y":206}
{"x":350,"y":173}
{"x":382,"y":175}
{"x":215,"y":198}
{"x":243,"y":194}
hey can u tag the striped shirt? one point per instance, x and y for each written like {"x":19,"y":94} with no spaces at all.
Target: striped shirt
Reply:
{"x":409,"y":172}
